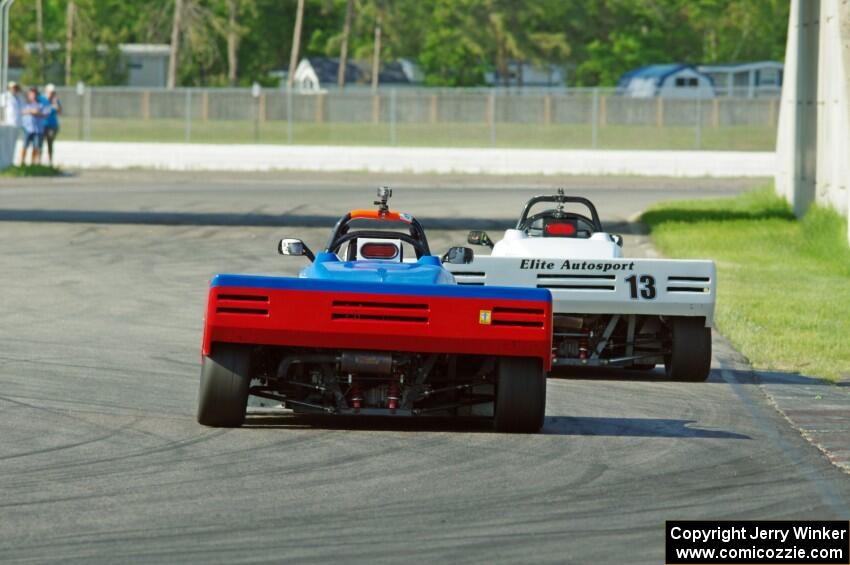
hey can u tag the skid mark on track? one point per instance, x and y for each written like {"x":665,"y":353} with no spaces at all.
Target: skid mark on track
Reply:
{"x":104,"y":437}
{"x":170,"y":446}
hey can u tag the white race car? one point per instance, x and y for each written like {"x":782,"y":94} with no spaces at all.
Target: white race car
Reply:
{"x":608,"y":310}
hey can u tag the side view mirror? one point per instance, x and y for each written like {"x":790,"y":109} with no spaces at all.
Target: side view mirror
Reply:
{"x":618,"y":239}
{"x":296,"y":247}
{"x":478,"y":237}
{"x":458,"y":256}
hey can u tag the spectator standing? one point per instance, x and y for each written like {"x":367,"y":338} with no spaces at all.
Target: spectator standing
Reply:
{"x":32,"y":120}
{"x":13,"y":105}
{"x":51,"y":122}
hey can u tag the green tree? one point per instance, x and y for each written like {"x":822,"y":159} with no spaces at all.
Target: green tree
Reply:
{"x":620,"y":35}
{"x":453,"y":51}
{"x":455,"y":41}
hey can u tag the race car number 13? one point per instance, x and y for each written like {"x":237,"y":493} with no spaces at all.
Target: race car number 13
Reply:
{"x":643,"y":287}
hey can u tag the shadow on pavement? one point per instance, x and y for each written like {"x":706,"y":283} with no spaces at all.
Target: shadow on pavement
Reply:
{"x":657,"y":375}
{"x":288,"y":420}
{"x":222,"y":219}
{"x":630,"y":427}
{"x":553,"y":425}
{"x":780,"y":378}
{"x":691,"y":215}
{"x":607,"y":374}
{"x":241,"y":220}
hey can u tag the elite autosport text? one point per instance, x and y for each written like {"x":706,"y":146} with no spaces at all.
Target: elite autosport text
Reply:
{"x":544,"y":265}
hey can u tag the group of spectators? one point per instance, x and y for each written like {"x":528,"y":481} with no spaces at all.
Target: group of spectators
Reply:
{"x":38,"y":117}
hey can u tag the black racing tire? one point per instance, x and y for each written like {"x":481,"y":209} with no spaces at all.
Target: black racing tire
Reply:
{"x":223,"y":395}
{"x":690,"y":355}
{"x":520,"y":395}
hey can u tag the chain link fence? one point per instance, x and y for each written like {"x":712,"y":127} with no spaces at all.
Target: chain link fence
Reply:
{"x":567,"y":118}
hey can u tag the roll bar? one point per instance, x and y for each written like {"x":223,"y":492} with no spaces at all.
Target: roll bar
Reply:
{"x":415,"y":236}
{"x":560,"y":199}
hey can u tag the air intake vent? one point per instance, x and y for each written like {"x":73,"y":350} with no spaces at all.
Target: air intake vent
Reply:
{"x":260,"y":311}
{"x":518,"y":317}
{"x":250,"y":304}
{"x":577,"y":282}
{"x":690,"y":285}
{"x":470,"y":278}
{"x":415,"y":313}
{"x":243,"y":297}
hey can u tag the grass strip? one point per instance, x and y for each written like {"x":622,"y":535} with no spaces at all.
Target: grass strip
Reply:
{"x":31,"y":171}
{"x":783,"y":283}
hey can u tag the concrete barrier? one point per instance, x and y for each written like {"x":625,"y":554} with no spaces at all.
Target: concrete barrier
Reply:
{"x":8,"y":142}
{"x":813,"y":138}
{"x":214,"y":157}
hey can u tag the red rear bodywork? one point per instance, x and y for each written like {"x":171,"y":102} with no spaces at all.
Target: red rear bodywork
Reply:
{"x":293,"y":312}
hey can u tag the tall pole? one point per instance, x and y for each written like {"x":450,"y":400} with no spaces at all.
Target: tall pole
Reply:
{"x":343,"y":48}
{"x":39,"y":30}
{"x":376,"y":53}
{"x":233,"y":40}
{"x":69,"y":40}
{"x":176,"y":24}
{"x":5,"y":7}
{"x":296,"y":43}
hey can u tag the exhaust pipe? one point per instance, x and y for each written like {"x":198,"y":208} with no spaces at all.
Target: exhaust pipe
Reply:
{"x":372,"y":362}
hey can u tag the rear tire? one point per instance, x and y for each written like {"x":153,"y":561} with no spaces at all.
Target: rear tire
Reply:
{"x":223,"y":396}
{"x":690,"y":356}
{"x":520,"y":396}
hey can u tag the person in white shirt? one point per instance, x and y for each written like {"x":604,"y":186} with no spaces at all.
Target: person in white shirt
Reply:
{"x":13,"y":106}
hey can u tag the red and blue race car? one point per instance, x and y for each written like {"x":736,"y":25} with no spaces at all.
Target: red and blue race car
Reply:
{"x":365,"y":331}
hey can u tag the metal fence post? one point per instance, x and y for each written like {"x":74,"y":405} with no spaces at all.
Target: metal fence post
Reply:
{"x":594,"y":119}
{"x":698,"y":133}
{"x":289,"y":115}
{"x":491,"y":107}
{"x":81,"y":102}
{"x":87,"y":97}
{"x":256,"y":119}
{"x":255,"y":94}
{"x":392,"y":116}
{"x":188,"y":116}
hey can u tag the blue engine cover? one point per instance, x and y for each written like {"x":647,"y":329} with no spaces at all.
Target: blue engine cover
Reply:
{"x":427,"y":270}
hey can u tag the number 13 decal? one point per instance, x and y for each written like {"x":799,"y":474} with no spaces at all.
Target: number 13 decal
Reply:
{"x":644,"y":286}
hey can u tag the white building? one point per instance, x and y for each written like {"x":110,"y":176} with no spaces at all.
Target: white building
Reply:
{"x":528,"y":75}
{"x":146,"y":64}
{"x":669,"y":81}
{"x":314,"y":74}
{"x":746,"y":79}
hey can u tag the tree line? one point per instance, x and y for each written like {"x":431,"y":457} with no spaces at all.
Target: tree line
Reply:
{"x":237,"y":42}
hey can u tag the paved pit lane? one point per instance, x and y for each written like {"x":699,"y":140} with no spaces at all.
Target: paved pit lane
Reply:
{"x":101,"y":459}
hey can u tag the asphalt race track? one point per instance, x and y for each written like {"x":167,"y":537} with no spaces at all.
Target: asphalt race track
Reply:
{"x":101,"y":460}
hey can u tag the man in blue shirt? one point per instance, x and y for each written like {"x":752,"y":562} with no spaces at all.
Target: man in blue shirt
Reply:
{"x":51,"y":122}
{"x":32,"y":121}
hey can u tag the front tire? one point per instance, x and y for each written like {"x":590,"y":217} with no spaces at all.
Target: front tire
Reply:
{"x":520,"y":395}
{"x":690,"y":356}
{"x":223,"y":395}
